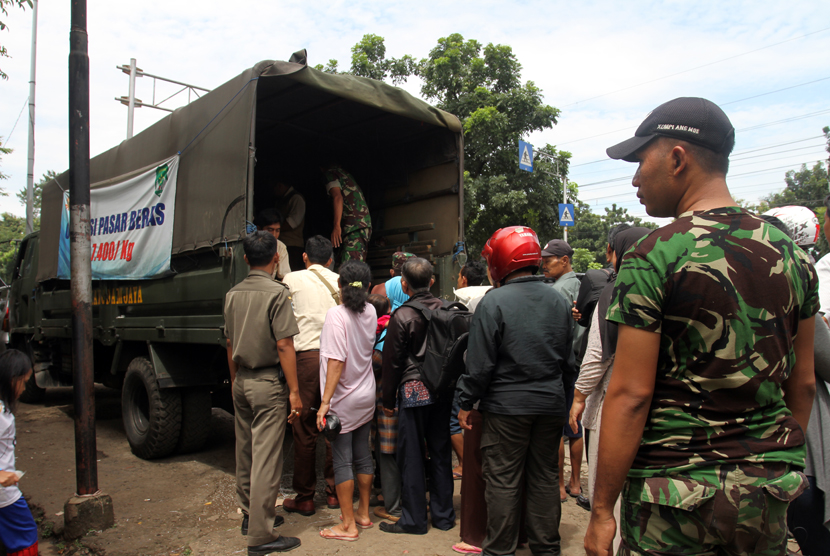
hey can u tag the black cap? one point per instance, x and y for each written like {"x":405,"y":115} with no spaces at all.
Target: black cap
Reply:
{"x":691,"y":119}
{"x":557,"y":248}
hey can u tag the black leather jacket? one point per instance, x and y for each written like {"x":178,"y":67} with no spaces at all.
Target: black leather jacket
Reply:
{"x":406,"y":334}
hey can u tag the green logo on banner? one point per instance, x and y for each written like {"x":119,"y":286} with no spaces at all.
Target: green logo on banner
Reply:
{"x":161,"y":178}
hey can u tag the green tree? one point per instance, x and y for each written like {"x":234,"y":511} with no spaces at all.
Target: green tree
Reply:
{"x":482,"y":86}
{"x":12,"y":229}
{"x":369,"y":60}
{"x":4,"y":150}
{"x":806,"y":187}
{"x":37,"y":195}
{"x":583,"y":259}
{"x":591,"y":230}
{"x":4,"y":7}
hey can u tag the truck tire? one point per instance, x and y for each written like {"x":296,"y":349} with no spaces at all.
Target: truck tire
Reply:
{"x":196,"y":405}
{"x":32,"y":393}
{"x":152,"y":416}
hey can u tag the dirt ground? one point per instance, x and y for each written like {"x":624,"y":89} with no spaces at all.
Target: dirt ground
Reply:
{"x":186,"y":505}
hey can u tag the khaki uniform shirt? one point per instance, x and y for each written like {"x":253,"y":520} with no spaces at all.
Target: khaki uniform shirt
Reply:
{"x":257,"y":315}
{"x":311,"y":300}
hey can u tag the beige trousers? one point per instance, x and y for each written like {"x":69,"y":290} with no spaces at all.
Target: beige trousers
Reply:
{"x":260,"y":401}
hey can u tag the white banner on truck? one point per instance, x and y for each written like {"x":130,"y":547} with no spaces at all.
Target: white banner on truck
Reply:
{"x":131,"y":226}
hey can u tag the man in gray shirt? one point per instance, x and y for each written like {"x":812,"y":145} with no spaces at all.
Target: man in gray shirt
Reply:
{"x":556,"y":264}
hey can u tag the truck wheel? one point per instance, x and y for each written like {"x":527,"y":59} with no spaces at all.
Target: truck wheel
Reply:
{"x":196,"y":405}
{"x":152,"y":416}
{"x":32,"y":393}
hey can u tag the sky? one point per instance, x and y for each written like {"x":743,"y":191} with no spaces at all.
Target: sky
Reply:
{"x":605,"y":65}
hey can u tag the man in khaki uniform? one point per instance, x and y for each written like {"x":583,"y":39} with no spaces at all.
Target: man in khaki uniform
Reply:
{"x":259,"y":326}
{"x":313,"y":292}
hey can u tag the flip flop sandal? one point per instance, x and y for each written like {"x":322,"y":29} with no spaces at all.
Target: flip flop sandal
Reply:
{"x":463,"y":550}
{"x":359,"y":525}
{"x":456,"y":475}
{"x":335,"y":537}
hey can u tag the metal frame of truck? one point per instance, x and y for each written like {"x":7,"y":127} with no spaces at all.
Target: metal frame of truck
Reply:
{"x":161,"y":341}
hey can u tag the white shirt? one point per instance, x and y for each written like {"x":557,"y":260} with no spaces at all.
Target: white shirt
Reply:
{"x":8,"y":495}
{"x":471,"y":295}
{"x":311,"y":301}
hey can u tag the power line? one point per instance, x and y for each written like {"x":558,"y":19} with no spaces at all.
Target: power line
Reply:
{"x":9,"y":136}
{"x":771,"y":159}
{"x":738,"y":153}
{"x":766,"y":170}
{"x":773,"y":92}
{"x":697,"y":67}
{"x":785,"y":120}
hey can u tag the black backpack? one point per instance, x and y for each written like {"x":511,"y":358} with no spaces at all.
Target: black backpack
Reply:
{"x":592,"y":285}
{"x":448,"y":329}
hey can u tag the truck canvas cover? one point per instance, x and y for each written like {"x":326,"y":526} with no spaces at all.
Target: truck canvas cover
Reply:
{"x":272,"y":114}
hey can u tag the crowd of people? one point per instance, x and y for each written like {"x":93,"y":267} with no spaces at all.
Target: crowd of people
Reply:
{"x":693,"y":370}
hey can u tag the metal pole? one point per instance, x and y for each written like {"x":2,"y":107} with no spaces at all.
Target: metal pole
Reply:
{"x":564,"y":197}
{"x":86,"y":467}
{"x":30,"y":177}
{"x":131,"y":109}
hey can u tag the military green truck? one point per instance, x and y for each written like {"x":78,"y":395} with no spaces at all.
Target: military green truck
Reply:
{"x":161,"y":340}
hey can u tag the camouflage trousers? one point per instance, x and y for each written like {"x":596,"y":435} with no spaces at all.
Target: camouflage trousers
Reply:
{"x":355,"y":245}
{"x":726,"y":510}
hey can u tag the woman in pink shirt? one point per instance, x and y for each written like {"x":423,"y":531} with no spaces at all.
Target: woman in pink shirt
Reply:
{"x":347,"y":385}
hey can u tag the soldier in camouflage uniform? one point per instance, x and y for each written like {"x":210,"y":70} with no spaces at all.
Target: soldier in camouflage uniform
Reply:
{"x":352,"y":223}
{"x":715,"y":315}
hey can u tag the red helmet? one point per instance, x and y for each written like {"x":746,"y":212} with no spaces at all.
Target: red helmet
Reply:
{"x":510,"y":249}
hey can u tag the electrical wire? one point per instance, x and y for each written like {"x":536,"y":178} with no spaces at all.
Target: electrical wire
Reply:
{"x":9,"y":136}
{"x":698,"y":67}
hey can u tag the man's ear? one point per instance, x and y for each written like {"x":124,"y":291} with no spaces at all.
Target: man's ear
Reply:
{"x":392,"y":272}
{"x":329,"y":263}
{"x":305,"y":258}
{"x":566,"y":260}
{"x":431,"y":282}
{"x":246,"y":260}
{"x":680,"y":159}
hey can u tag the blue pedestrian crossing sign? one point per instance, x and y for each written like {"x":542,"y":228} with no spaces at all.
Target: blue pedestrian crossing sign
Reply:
{"x":566,"y":214}
{"x":525,"y":156}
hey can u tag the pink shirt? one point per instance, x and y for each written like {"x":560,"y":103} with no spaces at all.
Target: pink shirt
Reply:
{"x":350,"y":337}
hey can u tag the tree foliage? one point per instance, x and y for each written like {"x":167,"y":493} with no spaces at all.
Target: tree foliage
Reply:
{"x":4,"y":7}
{"x":37,"y":194}
{"x":583,"y":259}
{"x":591,"y":229}
{"x":12,"y":229}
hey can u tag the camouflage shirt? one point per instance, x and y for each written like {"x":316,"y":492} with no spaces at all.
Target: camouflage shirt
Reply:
{"x":726,"y":292}
{"x":355,"y":210}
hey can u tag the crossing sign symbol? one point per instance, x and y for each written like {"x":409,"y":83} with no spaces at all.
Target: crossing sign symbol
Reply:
{"x":566,"y":214}
{"x":525,"y":156}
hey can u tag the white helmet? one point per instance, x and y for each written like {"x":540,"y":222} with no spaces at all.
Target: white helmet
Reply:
{"x":801,"y":223}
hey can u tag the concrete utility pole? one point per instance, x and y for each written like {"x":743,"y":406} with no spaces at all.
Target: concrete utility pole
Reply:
{"x":30,"y":179}
{"x":89,"y":508}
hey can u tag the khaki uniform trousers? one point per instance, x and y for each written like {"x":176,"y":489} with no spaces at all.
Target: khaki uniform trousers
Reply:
{"x":260,"y":401}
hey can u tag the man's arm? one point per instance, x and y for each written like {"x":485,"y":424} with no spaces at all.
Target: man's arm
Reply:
{"x":624,"y":413}
{"x":288,"y":361}
{"x":482,"y":353}
{"x":395,"y":354}
{"x":800,"y":387}
{"x":337,"y":204}
{"x":231,"y":363}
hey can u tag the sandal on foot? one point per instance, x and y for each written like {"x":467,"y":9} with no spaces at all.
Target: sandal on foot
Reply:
{"x":332,"y":536}
{"x":360,"y":525}
{"x":468,"y":549}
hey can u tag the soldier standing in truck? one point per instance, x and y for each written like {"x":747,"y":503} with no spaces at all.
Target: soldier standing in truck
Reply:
{"x":292,"y":207}
{"x":352,"y":223}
